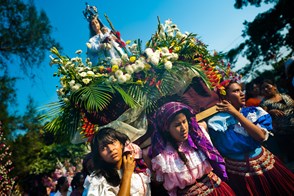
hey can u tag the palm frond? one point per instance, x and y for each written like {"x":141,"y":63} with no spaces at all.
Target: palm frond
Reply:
{"x":66,"y":124}
{"x":93,"y":97}
{"x":128,"y":99}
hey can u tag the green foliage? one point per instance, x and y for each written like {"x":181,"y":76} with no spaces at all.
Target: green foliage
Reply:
{"x":268,"y":38}
{"x":24,"y":33}
{"x":33,"y":156}
{"x":8,"y":98}
{"x":241,"y":3}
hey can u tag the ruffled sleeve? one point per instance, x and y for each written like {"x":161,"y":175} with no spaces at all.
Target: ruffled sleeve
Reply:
{"x":98,"y":186}
{"x":231,"y":138}
{"x":172,"y":171}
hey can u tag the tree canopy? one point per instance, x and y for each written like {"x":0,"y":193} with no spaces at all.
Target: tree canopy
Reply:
{"x":25,"y":34}
{"x":268,"y":38}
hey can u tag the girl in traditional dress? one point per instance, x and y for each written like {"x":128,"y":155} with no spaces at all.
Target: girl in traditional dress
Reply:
{"x":182,"y":157}
{"x":238,"y":132}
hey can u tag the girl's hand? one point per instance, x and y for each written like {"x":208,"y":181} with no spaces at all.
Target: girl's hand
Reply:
{"x":276,"y":113}
{"x":226,"y":106}
{"x":129,"y":163}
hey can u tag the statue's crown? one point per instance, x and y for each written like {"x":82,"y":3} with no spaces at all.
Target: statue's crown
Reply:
{"x":90,"y":12}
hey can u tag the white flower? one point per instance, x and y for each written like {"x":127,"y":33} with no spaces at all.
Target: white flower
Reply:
{"x":112,"y":79}
{"x":89,"y":63}
{"x":68,"y":65}
{"x":139,"y":65}
{"x":168,"y":22}
{"x":129,"y":69}
{"x":78,"y":51}
{"x":128,"y":77}
{"x":174,"y":56}
{"x":179,"y":35}
{"x":66,"y":100}
{"x":168,"y":65}
{"x":165,"y":50}
{"x":79,"y":69}
{"x":71,"y":83}
{"x":86,"y":80}
{"x":76,"y":87}
{"x":122,"y":79}
{"x":133,"y":48}
{"x":115,"y":61}
{"x":162,"y":35}
{"x":124,"y":57}
{"x":154,"y":59}
{"x":60,"y":92}
{"x":83,"y":74}
{"x":75,"y":59}
{"x":90,"y":73}
{"x":118,"y":73}
{"x":148,"y":51}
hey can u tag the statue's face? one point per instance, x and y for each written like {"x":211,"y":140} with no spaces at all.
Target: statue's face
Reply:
{"x":95,"y":25}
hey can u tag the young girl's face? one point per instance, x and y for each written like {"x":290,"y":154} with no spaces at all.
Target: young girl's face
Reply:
{"x":235,"y":95}
{"x":179,"y":127}
{"x":111,"y":153}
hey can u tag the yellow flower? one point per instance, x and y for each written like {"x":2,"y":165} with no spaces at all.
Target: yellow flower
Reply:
{"x":222,"y":92}
{"x":172,"y":44}
{"x":191,"y":44}
{"x":177,"y":48}
{"x":101,"y":68}
{"x":114,"y":68}
{"x":147,"y":66}
{"x":139,"y":82}
{"x":128,"y":42}
{"x":132,"y":59}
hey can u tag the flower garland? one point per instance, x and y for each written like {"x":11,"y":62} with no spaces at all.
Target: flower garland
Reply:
{"x":165,"y":61}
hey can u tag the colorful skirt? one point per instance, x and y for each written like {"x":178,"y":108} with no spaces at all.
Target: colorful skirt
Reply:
{"x":209,"y":185}
{"x":261,"y":175}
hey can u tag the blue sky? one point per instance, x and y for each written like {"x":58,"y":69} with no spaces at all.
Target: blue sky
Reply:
{"x":216,"y":22}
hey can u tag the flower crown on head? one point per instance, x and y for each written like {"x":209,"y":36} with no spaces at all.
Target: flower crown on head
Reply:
{"x":90,"y":12}
{"x":227,"y":76}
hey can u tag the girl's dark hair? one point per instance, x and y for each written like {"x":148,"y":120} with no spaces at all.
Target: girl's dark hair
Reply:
{"x":75,"y":183}
{"x":104,"y":137}
{"x":60,"y":182}
{"x":268,"y":81}
{"x":87,"y":164}
{"x":167,"y":136}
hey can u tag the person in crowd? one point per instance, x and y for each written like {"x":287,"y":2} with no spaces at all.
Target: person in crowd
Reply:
{"x":288,"y":81}
{"x":77,"y":184}
{"x":238,"y":132}
{"x":62,"y":187}
{"x":182,"y":157}
{"x":253,"y":95}
{"x":87,"y":169}
{"x":118,"y":166}
{"x":281,"y":108}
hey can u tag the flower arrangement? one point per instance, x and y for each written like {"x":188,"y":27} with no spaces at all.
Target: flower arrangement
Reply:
{"x":169,"y":59}
{"x":6,"y":181}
